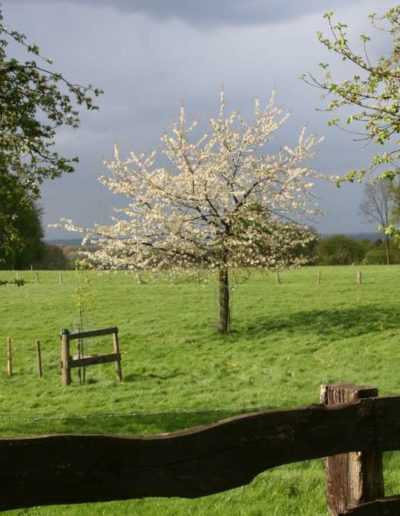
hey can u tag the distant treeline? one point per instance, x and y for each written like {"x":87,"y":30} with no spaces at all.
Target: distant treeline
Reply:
{"x":323,"y":250}
{"x":345,"y":250}
{"x":45,"y":256}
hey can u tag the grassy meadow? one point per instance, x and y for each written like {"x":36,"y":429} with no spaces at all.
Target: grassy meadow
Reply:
{"x":286,"y":340}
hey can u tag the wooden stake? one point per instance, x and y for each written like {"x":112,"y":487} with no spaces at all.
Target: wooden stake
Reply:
{"x":357,"y":477}
{"x":277,"y":278}
{"x":37,"y":278}
{"x":318,"y":277}
{"x":359,"y":278}
{"x":118,"y":362}
{"x":65,"y":358}
{"x":60,"y":278}
{"x":39,"y":359}
{"x":81,"y":371}
{"x":9,"y":357}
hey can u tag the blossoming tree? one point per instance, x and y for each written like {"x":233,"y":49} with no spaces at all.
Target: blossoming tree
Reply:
{"x":224,"y":202}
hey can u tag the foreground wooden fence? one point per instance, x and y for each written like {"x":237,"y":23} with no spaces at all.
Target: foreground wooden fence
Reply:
{"x":65,"y":469}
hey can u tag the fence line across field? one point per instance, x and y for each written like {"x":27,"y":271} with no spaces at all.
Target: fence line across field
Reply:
{"x":38,"y":353}
{"x":60,"y":278}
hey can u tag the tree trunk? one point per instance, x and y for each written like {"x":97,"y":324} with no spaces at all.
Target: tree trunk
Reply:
{"x":224,"y":313}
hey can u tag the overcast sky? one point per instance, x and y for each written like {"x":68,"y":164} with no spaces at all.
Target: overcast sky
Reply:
{"x":149,"y":55}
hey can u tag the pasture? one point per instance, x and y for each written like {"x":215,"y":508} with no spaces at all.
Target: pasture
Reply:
{"x":285,"y":341}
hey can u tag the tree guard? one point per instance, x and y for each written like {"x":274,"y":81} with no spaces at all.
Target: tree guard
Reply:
{"x":68,"y":362}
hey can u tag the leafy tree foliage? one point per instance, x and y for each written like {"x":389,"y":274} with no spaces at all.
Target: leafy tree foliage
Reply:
{"x":34,"y":102}
{"x":395,"y":201}
{"x":372,"y":91}
{"x":224,"y":202}
{"x":20,"y":225}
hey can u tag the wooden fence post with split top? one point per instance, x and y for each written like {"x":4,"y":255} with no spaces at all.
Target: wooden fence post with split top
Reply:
{"x":357,"y":477}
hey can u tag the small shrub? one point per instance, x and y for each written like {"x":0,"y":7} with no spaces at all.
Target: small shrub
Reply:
{"x":377,"y":256}
{"x":341,"y":250}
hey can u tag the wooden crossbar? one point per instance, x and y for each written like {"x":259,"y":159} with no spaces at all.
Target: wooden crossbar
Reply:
{"x":94,"y":360}
{"x":92,"y":333}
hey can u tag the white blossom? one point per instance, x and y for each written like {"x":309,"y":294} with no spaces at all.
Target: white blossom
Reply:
{"x":224,"y":201}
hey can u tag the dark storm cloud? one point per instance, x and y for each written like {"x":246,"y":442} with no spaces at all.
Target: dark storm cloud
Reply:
{"x":213,"y":13}
{"x":149,"y":55}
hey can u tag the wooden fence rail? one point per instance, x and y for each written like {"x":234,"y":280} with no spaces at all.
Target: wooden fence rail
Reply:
{"x":65,"y":469}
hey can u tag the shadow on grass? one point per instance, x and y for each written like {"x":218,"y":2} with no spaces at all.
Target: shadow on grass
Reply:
{"x":135,"y":424}
{"x":132,"y":377}
{"x":334,"y":323}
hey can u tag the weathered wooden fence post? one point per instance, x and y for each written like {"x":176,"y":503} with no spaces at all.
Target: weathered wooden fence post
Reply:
{"x":359,"y":278}
{"x":116,"y":350}
{"x":65,"y":358}
{"x":39,"y":359}
{"x":357,"y":477}
{"x":277,"y":278}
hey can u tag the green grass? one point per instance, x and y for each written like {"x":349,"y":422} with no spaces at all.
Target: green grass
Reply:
{"x":286,"y":340}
